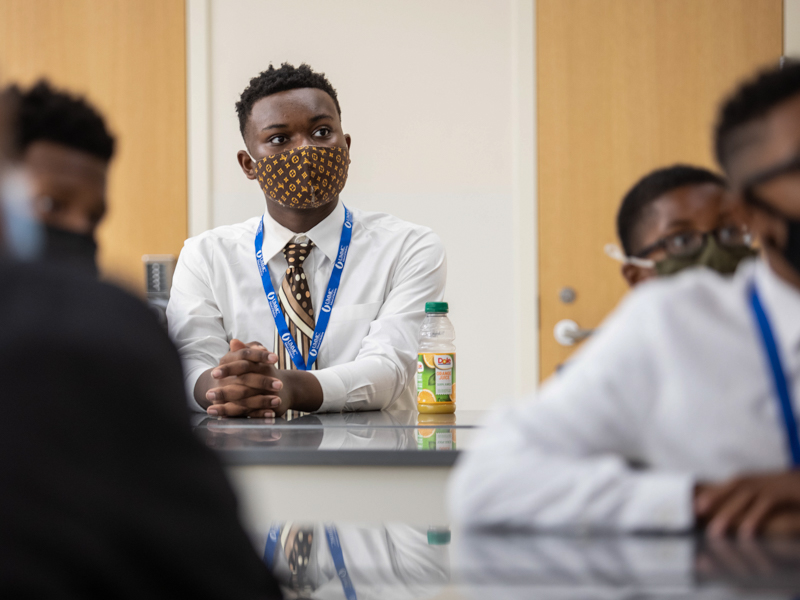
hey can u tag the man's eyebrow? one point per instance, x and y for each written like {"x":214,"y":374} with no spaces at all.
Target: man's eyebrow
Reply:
{"x":319,"y":117}
{"x":275,"y":126}
{"x":681,"y":223}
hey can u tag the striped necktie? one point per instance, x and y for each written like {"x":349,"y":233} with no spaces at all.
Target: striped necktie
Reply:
{"x":294,"y":297}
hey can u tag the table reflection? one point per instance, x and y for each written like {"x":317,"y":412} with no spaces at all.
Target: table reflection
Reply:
{"x":391,"y":561}
{"x":400,"y":561}
{"x":501,"y":565}
{"x":405,"y":430}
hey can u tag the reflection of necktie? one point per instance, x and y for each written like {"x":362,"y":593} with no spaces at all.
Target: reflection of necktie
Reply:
{"x":298,"y":550}
{"x":294,"y":297}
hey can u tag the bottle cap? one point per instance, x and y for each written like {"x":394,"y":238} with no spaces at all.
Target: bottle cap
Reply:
{"x":436,"y":307}
{"x":438,"y":536}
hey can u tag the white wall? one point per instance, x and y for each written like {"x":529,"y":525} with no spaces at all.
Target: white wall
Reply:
{"x":438,"y":98}
{"x":791,"y":28}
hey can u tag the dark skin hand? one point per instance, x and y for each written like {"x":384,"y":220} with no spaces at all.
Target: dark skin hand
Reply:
{"x":750,"y":506}
{"x":246,"y":383}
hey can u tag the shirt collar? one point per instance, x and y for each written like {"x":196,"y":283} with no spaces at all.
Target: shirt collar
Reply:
{"x":782,"y":304}
{"x":325,"y":235}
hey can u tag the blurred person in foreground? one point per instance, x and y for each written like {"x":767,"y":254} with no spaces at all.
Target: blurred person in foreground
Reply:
{"x":105,"y":491}
{"x":675,"y":218}
{"x":680,"y":413}
{"x":65,"y":149}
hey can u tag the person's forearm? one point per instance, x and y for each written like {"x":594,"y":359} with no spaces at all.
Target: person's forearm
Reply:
{"x":303,"y":390}
{"x":204,"y":383}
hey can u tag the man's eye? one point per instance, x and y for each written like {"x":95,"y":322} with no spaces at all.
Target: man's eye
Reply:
{"x":682,"y":240}
{"x":733,"y":234}
{"x":322,"y":132}
{"x":276,"y":140}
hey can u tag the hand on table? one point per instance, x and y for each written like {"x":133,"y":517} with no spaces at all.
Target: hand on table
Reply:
{"x":246,"y":383}
{"x":751,"y":505}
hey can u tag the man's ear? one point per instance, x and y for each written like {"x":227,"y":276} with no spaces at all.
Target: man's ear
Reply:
{"x":347,"y":140}
{"x":635,"y":275}
{"x":247,"y":163}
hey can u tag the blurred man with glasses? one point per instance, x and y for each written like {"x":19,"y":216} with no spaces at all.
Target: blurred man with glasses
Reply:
{"x":681,"y":412}
{"x":679,"y":217}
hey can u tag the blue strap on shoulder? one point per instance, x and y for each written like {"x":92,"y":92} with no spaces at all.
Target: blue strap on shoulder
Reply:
{"x":778,"y":376}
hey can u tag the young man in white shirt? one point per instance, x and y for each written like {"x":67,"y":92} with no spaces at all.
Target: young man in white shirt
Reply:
{"x":370,"y":274}
{"x":674,"y":415}
{"x":664,"y":221}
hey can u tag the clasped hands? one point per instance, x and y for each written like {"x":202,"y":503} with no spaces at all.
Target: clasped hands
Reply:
{"x":246,"y":383}
{"x":750,"y":506}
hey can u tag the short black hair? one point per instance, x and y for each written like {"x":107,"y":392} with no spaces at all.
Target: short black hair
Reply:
{"x":649,"y":189}
{"x":43,"y":113}
{"x":272,"y":81}
{"x":753,"y":100}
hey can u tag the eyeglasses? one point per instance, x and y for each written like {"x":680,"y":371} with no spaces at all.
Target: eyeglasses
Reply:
{"x":749,"y":188}
{"x":689,"y":243}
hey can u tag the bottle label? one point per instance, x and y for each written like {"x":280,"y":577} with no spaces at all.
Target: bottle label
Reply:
{"x":436,"y":378}
{"x":436,"y":439}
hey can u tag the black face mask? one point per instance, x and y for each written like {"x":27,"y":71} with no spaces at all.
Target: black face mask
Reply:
{"x":72,"y":250}
{"x":791,"y":252}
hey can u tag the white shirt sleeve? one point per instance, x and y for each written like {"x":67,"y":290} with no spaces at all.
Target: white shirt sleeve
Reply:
{"x":386,"y":362}
{"x":194,"y":319}
{"x":564,"y":460}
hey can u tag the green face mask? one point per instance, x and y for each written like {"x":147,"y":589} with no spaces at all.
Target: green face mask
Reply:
{"x":723,"y":259}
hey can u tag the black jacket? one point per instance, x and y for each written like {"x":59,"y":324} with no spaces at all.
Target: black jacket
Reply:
{"x":104,"y":491}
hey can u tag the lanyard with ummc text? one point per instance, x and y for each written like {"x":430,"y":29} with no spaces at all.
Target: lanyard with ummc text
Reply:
{"x":778,"y":376}
{"x":324,"y":314}
{"x":336,"y":553}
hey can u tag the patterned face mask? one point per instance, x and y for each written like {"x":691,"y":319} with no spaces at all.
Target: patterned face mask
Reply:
{"x":305,"y":177}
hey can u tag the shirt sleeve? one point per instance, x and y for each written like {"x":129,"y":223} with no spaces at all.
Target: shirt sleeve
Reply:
{"x":386,"y":362}
{"x":565,"y":460}
{"x":194,"y":319}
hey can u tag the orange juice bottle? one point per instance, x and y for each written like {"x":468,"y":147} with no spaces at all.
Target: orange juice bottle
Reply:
{"x":436,"y":361}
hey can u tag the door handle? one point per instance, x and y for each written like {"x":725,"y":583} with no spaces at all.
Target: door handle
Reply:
{"x":568,"y":333}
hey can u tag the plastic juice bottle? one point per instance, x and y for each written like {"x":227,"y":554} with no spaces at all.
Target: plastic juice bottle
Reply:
{"x":436,"y":361}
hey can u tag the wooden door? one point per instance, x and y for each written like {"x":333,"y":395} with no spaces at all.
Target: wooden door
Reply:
{"x":128,"y":57}
{"x":623,"y":87}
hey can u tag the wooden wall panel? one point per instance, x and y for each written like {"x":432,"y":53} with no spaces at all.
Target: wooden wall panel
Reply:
{"x":128,"y":57}
{"x":623,"y":87}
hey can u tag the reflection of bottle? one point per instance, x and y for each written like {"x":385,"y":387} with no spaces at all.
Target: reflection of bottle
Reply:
{"x":436,"y":432}
{"x":436,"y":362}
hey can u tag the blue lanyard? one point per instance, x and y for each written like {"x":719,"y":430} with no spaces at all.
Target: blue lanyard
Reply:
{"x":338,"y":562}
{"x":272,"y":544}
{"x":323,"y":315}
{"x":778,"y":376}
{"x":336,"y":552}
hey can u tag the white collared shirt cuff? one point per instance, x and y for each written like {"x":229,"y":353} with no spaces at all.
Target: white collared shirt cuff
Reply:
{"x":193,"y":373}
{"x":334,"y":392}
{"x":660,"y":502}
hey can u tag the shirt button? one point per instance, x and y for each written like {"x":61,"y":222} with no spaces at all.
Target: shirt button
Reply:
{"x":301,"y":239}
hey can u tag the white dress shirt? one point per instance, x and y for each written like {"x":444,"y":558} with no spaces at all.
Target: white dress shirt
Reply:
{"x":368,"y":356}
{"x":674,"y":389}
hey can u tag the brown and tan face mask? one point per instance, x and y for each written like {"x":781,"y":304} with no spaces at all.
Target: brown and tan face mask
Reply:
{"x":305,"y":177}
